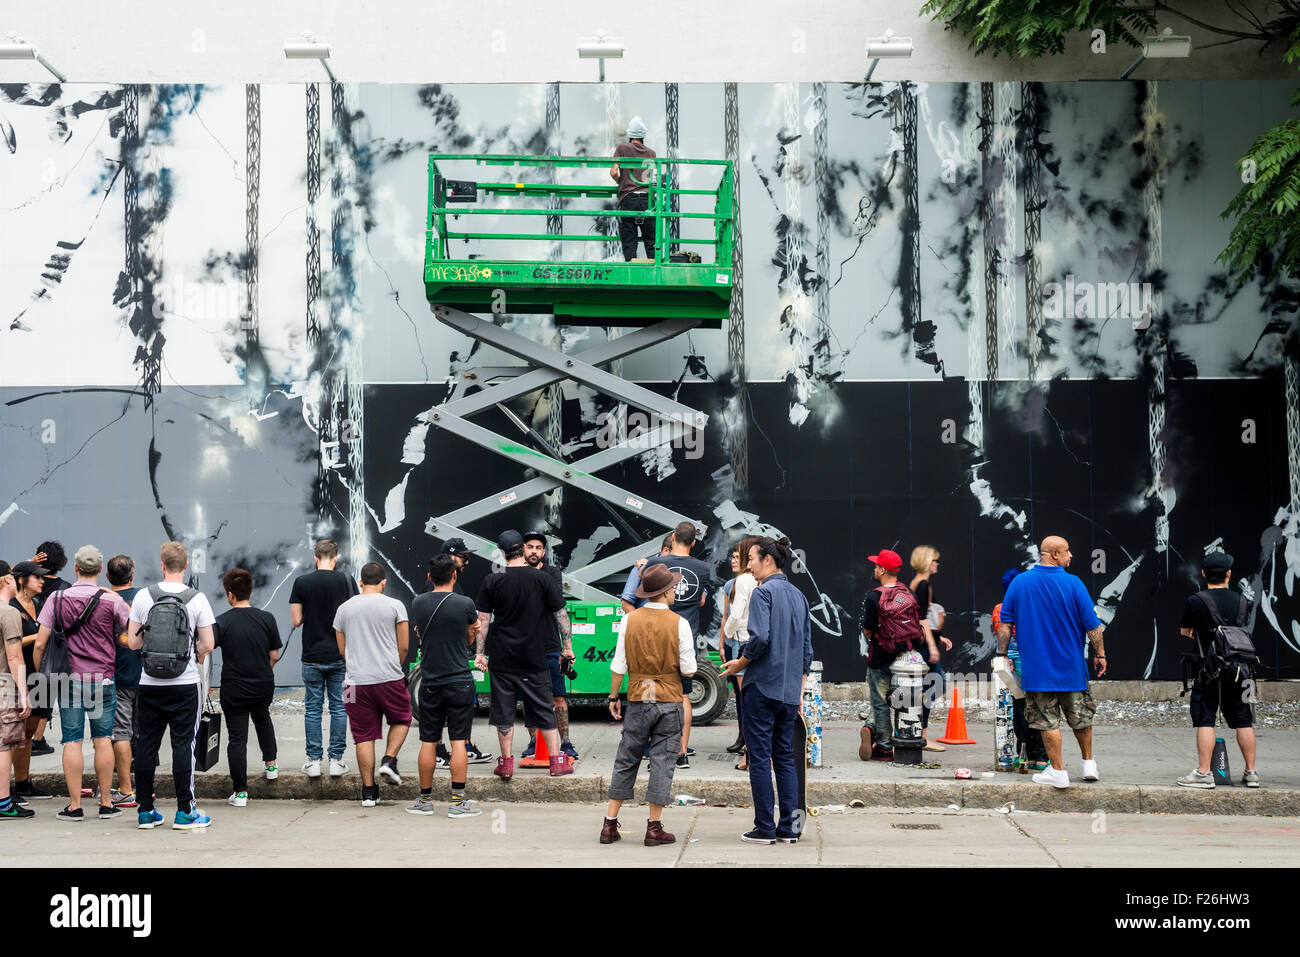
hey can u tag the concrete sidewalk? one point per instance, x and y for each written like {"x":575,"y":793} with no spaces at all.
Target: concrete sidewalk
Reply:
{"x":312,"y":833}
{"x":1138,"y":767}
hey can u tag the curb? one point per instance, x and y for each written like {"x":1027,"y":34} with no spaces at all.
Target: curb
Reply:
{"x":537,"y":787}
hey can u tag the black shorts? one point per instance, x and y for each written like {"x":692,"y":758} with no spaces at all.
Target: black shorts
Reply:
{"x":450,"y":705}
{"x":558,"y":687}
{"x":1227,"y":693}
{"x":535,"y":692}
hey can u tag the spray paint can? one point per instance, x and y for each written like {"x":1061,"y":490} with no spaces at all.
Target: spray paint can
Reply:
{"x":1219,"y":764}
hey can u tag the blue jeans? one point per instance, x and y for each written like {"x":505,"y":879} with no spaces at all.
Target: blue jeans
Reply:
{"x":318,"y":678}
{"x":882,"y":721}
{"x":933,"y":692}
{"x":769,"y":739}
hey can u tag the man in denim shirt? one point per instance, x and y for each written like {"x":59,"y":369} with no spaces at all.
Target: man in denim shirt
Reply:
{"x":775,"y":661}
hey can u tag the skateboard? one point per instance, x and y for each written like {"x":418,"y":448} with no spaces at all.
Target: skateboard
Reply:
{"x":801,"y":767}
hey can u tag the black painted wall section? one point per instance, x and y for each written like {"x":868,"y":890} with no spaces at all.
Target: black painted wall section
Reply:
{"x":882,"y":475}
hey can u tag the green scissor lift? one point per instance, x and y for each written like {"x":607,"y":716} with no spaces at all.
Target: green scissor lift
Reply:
{"x":658,"y":298}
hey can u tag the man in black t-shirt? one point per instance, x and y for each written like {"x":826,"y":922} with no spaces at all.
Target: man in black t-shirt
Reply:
{"x":313,"y":601}
{"x":558,"y":646}
{"x":459,"y":552}
{"x":445,"y":626}
{"x":1233,"y":691}
{"x":688,"y":598}
{"x":249,"y":640}
{"x":519,"y":604}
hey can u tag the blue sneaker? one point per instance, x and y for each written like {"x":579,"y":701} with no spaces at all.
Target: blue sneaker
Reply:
{"x":191,"y":821}
{"x":148,"y":819}
{"x":531,"y":750}
{"x":567,"y":747}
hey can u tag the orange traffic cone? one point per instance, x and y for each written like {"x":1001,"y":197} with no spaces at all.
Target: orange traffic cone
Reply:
{"x":541,"y":757}
{"x":955,"y":732}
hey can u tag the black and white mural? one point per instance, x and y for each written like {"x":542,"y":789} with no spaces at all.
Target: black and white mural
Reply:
{"x":972,"y":315}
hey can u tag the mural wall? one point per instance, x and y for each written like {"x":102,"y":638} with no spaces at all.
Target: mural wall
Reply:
{"x":973,"y":315}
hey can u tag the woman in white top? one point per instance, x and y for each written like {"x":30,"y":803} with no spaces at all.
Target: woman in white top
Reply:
{"x":735,"y":621}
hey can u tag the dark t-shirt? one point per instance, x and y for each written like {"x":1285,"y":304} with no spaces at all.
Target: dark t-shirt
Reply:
{"x":523,"y":602}
{"x":320,"y":593}
{"x":439,"y":620}
{"x":869,"y":618}
{"x":634,"y":151}
{"x":553,"y":644}
{"x":127,"y":675}
{"x":1197,"y":616}
{"x":30,"y":627}
{"x":246,"y":637}
{"x":53,"y":583}
{"x":924,"y":596}
{"x":697,"y":579}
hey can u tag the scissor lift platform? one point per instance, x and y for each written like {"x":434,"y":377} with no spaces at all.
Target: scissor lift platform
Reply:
{"x":607,"y":292}
{"x":659,"y":297}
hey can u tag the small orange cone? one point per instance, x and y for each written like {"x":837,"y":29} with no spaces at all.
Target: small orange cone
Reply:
{"x":541,"y":757}
{"x":955,"y":732}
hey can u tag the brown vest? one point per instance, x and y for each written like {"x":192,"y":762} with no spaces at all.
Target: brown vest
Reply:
{"x":650,"y":645}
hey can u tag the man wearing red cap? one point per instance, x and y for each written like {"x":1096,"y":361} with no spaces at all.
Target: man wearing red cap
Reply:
{"x":891,"y":626}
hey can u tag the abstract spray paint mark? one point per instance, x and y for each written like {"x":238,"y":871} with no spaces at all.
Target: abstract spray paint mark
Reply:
{"x":827,"y":616}
{"x":1279,"y":546}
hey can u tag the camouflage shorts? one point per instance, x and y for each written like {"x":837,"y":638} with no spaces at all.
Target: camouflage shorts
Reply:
{"x":1044,"y":709}
{"x":13,"y":728}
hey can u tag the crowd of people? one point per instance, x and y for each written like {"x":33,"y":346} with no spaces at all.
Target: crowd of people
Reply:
{"x":127,"y":665}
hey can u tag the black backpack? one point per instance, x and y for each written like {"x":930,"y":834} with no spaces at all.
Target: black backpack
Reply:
{"x":1230,"y":647}
{"x":166,"y":633}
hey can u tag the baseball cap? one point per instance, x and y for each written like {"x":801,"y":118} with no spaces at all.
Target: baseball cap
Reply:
{"x":1217,"y":562}
{"x":535,"y":536}
{"x":509,"y":539}
{"x":23,"y":569}
{"x":888,"y":560}
{"x":455,"y":546}
{"x":5,"y":569}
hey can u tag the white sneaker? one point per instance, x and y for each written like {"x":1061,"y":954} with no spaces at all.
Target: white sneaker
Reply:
{"x":238,"y":799}
{"x":1057,"y":779}
{"x":337,"y":768}
{"x":1090,"y":771}
{"x":272,"y":772}
{"x":312,"y":768}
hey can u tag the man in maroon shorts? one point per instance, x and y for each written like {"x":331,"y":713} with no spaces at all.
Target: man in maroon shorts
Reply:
{"x":371,"y":629}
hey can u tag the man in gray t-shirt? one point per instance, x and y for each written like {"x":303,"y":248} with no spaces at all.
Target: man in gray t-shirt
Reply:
{"x":371,"y":630}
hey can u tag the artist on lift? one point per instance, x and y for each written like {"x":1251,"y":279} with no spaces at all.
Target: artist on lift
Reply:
{"x":633,"y":193}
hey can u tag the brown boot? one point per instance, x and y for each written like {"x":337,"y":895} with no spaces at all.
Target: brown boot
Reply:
{"x":864,"y":747}
{"x":656,"y":835}
{"x":609,"y":833}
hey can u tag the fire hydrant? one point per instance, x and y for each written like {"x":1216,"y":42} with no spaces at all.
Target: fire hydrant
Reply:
{"x":909,"y":669}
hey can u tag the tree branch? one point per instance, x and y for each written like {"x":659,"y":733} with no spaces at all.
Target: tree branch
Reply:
{"x":1222,"y":31}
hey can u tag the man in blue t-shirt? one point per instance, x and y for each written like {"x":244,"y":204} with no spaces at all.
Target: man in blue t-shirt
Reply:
{"x":1051,"y":611}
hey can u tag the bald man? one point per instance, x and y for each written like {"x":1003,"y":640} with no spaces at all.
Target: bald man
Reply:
{"x":1052,"y":612}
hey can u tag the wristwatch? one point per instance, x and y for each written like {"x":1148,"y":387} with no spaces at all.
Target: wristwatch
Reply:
{"x":612,"y":699}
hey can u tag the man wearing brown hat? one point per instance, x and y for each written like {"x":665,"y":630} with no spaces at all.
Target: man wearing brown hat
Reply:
{"x":655,"y":649}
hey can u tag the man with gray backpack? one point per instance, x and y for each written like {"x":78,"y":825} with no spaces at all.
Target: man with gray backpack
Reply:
{"x":1222,"y":669}
{"x":171,"y":624}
